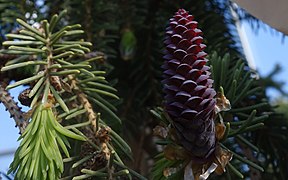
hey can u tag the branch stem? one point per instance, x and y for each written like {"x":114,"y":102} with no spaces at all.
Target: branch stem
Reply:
{"x":14,"y":110}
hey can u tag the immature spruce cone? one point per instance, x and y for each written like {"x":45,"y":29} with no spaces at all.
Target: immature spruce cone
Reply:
{"x":188,"y":87}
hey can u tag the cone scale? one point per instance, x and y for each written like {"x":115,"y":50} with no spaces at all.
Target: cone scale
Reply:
{"x":189,"y":95}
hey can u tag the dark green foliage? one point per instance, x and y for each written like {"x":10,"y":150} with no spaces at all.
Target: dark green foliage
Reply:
{"x":245,"y":115}
{"x":63,"y":89}
{"x":12,"y":9}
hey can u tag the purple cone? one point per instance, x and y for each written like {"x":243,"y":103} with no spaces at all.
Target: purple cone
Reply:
{"x":189,"y":95}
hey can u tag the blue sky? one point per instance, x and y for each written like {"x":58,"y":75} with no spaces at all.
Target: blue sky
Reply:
{"x":8,"y":134}
{"x":268,"y":50}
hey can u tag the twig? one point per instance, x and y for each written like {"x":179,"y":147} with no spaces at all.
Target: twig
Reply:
{"x":92,"y":117}
{"x":13,"y":108}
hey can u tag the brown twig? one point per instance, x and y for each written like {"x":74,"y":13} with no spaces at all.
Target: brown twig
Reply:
{"x":13,"y":108}
{"x":91,"y":114}
{"x":83,"y":100}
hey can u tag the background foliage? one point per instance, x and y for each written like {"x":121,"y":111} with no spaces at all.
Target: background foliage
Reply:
{"x":127,"y":38}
